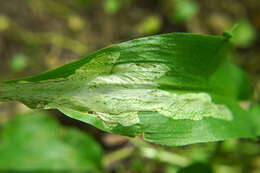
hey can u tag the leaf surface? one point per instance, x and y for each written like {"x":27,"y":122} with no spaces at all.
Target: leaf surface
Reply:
{"x":175,"y":89}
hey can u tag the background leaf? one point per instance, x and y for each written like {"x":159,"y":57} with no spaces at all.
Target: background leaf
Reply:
{"x":35,"y":142}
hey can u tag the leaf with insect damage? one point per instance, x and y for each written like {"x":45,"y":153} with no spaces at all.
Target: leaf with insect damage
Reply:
{"x":175,"y":89}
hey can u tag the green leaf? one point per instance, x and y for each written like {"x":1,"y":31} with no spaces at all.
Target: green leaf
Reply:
{"x":255,"y":114}
{"x":18,"y":63}
{"x":112,"y":6}
{"x":150,"y":25}
{"x":175,"y":89}
{"x":184,"y":10}
{"x":35,"y":142}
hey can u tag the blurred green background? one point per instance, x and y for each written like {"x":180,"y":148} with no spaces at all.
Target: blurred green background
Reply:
{"x":37,"y":35}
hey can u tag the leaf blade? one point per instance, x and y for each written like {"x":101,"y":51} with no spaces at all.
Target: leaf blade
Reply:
{"x":176,"y":89}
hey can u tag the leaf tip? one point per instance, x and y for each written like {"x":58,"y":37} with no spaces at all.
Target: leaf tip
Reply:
{"x":230,"y":33}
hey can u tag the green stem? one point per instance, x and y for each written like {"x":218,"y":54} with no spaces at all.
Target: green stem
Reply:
{"x":160,"y":154}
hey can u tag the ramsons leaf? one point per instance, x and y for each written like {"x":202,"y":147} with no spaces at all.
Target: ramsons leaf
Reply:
{"x":34,"y":142}
{"x":175,"y":89}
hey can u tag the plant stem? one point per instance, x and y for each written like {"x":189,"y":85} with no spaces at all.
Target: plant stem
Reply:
{"x":160,"y":154}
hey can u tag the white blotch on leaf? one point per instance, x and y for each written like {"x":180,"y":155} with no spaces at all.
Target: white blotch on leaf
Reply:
{"x":100,"y":65}
{"x":118,"y":96}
